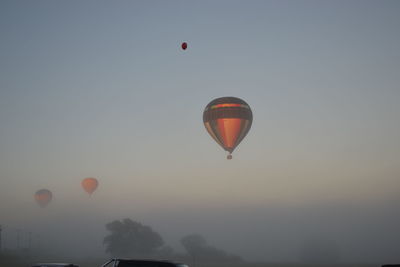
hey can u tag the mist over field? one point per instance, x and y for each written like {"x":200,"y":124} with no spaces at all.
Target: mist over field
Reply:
{"x":105,"y":90}
{"x":273,"y":234}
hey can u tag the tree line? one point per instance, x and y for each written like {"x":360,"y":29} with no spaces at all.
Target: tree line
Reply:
{"x":131,"y":239}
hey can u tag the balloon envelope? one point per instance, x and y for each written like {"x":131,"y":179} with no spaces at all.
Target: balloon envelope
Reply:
{"x":43,"y":197}
{"x":184,"y":45}
{"x":228,"y":120}
{"x":90,"y":185}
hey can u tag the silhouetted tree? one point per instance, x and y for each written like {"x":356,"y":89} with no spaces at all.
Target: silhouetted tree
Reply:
{"x":197,"y":247}
{"x":130,"y":238}
{"x":193,"y":243}
{"x":320,"y":251}
{"x":166,"y":252}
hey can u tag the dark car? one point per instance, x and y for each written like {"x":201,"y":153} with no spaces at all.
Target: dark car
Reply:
{"x":54,"y":265}
{"x":141,"y":263}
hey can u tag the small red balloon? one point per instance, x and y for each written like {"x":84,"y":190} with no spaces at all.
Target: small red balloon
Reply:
{"x":184,"y":45}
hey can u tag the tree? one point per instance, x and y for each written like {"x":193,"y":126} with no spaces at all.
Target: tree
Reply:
{"x":129,"y":238}
{"x":193,"y":244}
{"x":196,"y":246}
{"x":320,"y":251}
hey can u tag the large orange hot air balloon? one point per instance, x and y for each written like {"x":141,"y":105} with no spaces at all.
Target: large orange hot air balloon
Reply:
{"x":228,"y":120}
{"x":43,"y":197}
{"x":90,"y":185}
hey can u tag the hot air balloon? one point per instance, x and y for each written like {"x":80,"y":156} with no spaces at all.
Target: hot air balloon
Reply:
{"x":228,"y":120}
{"x":90,"y":185}
{"x":43,"y":197}
{"x":184,"y":45}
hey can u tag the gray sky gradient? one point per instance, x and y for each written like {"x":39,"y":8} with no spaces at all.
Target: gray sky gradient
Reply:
{"x":101,"y":89}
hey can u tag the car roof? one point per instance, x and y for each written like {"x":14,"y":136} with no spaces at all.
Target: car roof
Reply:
{"x":54,"y":264}
{"x":146,"y":260}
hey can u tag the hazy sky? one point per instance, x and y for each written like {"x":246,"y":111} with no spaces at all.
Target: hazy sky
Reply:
{"x":102,"y":89}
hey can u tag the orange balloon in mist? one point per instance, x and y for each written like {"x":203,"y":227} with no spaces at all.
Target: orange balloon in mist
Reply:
{"x":90,"y":185}
{"x":228,"y":120}
{"x":43,"y":197}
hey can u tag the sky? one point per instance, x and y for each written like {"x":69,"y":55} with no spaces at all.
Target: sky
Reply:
{"x":102,"y":89}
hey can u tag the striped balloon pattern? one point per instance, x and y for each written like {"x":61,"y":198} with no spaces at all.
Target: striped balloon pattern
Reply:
{"x":228,"y":120}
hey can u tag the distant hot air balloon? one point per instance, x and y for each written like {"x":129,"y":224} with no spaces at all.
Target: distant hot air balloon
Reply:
{"x":90,"y":185}
{"x":43,"y":197}
{"x":228,"y":120}
{"x":184,"y":45}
